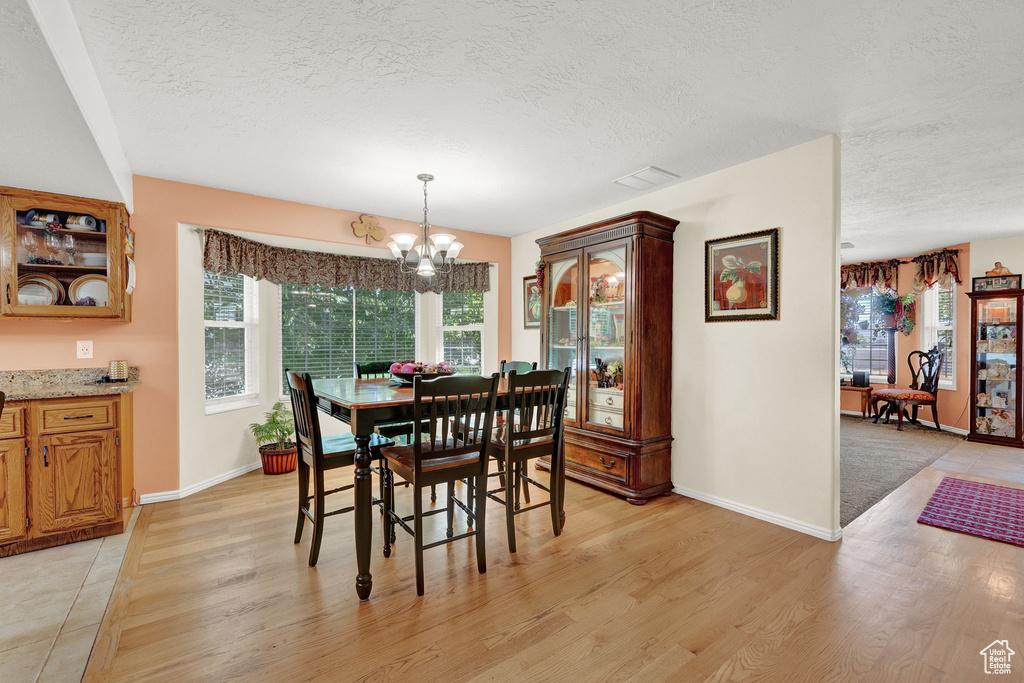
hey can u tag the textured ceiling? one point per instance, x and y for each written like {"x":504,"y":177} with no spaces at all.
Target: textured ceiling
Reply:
{"x":526,"y":110}
{"x":44,"y":141}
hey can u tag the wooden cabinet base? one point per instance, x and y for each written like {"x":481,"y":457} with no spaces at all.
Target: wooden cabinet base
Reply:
{"x":61,"y":471}
{"x":63,"y":538}
{"x":635,"y":470}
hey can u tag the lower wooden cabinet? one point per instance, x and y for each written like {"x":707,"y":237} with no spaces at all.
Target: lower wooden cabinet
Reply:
{"x":60,"y":471}
{"x":13,"y":507}
{"x":74,"y":483}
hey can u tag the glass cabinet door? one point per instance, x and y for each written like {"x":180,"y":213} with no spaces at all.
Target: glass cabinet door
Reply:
{"x":562,"y":288}
{"x":606,"y":337}
{"x":995,"y":412}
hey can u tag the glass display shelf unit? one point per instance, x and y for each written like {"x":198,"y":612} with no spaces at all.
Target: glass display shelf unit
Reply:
{"x":995,"y":359}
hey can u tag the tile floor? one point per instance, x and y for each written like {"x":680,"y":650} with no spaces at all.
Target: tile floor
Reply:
{"x":52,"y":603}
{"x":984,"y":460}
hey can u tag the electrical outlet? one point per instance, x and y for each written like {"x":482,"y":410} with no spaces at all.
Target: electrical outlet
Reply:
{"x":84,"y":349}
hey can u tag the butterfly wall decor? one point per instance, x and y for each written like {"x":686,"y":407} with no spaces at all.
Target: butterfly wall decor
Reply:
{"x":368,"y":226}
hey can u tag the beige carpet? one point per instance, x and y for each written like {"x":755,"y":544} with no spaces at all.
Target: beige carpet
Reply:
{"x":875,"y":460}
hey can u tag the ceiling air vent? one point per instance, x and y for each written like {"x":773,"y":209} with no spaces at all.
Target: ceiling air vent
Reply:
{"x":646,"y":178}
{"x":846,"y":245}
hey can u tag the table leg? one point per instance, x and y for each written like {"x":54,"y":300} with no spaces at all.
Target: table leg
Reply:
{"x":363,"y":512}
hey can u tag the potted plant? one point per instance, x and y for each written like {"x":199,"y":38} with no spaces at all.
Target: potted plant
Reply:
{"x":277,"y":452}
{"x":897,"y":312}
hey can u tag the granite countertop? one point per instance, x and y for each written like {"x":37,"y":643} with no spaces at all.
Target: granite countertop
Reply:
{"x":25,"y":385}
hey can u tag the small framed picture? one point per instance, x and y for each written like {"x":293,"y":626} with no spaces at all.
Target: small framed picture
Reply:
{"x":531,"y":302}
{"x":994,"y":283}
{"x":741,"y":277}
{"x":129,"y":241}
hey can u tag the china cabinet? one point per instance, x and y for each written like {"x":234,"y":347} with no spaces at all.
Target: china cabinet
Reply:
{"x":995,"y":359}
{"x":63,"y":257}
{"x":607,"y":315}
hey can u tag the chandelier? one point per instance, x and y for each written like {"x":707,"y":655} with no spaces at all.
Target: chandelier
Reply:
{"x":433,"y":254}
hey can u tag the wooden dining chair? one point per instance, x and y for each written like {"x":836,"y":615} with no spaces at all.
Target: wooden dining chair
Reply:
{"x":533,"y":429}
{"x":923,"y":391}
{"x":519,"y":366}
{"x":380,"y":369}
{"x":317,"y":454}
{"x":504,"y":368}
{"x":442,"y":456}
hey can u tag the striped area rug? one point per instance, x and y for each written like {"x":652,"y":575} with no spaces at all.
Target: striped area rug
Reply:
{"x":995,"y":512}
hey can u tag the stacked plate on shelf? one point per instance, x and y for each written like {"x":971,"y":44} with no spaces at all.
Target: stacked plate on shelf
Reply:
{"x":39,"y":290}
{"x":92,"y":286}
{"x":94,"y":259}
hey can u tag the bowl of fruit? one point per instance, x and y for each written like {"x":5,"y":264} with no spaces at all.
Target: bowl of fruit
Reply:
{"x":406,"y":371}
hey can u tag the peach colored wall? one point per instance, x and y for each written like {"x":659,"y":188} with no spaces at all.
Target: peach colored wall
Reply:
{"x":150,"y":341}
{"x":952,"y":404}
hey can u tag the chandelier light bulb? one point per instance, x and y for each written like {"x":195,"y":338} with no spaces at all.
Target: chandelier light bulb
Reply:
{"x":442,"y":241}
{"x":454,"y":250}
{"x":404,"y":240}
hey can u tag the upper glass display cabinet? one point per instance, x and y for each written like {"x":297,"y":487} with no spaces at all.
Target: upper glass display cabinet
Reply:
{"x":64,"y":257}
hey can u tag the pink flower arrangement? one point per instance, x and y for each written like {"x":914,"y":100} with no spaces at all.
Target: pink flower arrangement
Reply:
{"x":415,"y":367}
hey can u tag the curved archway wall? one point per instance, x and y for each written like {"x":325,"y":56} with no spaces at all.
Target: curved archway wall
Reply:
{"x":151,"y":339}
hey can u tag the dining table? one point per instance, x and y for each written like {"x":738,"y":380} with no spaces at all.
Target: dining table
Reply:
{"x":363,"y":404}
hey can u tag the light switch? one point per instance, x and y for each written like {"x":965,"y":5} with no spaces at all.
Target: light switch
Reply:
{"x":84,"y":349}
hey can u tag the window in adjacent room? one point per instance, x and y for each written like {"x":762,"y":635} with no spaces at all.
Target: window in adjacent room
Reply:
{"x":325,"y":330}
{"x":870,"y":353}
{"x":461,"y":331}
{"x":938,"y":327}
{"x":232,"y":358}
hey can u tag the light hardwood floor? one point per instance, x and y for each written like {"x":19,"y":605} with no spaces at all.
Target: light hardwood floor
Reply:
{"x":677,"y":590}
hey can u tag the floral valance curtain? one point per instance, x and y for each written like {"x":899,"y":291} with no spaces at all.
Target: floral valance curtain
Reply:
{"x":226,"y":253}
{"x":881,"y":275}
{"x":942,"y":267}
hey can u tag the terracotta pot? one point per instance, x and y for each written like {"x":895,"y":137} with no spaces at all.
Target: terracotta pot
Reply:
{"x":889,"y":320}
{"x":277,"y":461}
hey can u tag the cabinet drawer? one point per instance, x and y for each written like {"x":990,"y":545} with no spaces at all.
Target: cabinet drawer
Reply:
{"x":610,"y":465}
{"x":12,"y":422}
{"x":605,"y":418}
{"x":611,"y":399}
{"x":75,"y":417}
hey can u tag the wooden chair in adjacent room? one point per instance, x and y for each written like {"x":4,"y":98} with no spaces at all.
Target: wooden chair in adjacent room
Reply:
{"x":923,"y":391}
{"x":533,"y":429}
{"x":318,"y":454}
{"x":443,"y":456}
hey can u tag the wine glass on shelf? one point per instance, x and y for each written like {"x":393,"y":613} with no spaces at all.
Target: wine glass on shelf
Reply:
{"x":52,"y":243}
{"x":70,"y":248}
{"x":30,"y":241}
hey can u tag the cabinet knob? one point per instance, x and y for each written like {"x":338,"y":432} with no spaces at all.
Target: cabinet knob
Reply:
{"x":611,"y":462}
{"x":608,"y":420}
{"x":610,"y":401}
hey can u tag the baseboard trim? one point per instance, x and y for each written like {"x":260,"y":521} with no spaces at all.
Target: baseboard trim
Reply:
{"x":757,"y":513}
{"x":163,"y":496}
{"x":947,"y":428}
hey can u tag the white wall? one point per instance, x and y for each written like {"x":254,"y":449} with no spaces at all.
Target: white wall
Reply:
{"x":218,"y":446}
{"x":755,"y":404}
{"x":1007,"y":250}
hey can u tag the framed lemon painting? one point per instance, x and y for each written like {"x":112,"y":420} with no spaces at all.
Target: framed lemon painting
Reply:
{"x":741,"y":278}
